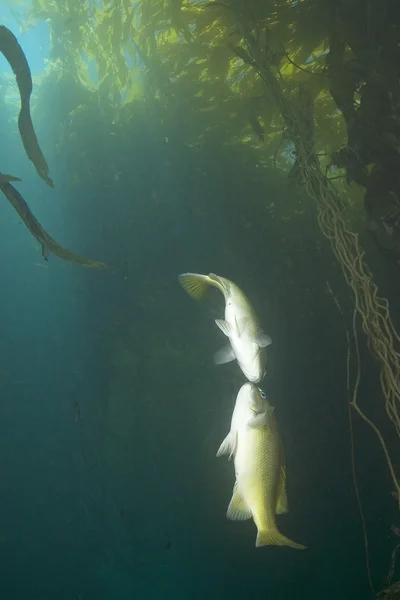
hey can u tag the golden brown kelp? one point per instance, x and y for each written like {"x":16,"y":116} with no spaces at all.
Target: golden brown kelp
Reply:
{"x":373,"y":311}
{"x":14,"y":54}
{"x":45,"y":240}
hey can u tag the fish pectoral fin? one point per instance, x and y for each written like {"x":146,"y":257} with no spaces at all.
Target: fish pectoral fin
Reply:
{"x":224,"y":355}
{"x":262,"y":339}
{"x":228,"y":446}
{"x":194,"y":284}
{"x":262,"y":419}
{"x":258,"y":336}
{"x":243,"y":325}
{"x":238,"y":509}
{"x":224,"y":327}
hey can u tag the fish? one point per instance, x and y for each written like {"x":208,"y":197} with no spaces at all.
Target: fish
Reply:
{"x":15,"y":56}
{"x":247,"y":341}
{"x":45,"y":240}
{"x":260,"y":487}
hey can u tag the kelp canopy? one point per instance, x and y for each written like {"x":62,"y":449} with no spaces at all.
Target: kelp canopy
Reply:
{"x":189,"y":57}
{"x":346,"y":54}
{"x":310,"y":86}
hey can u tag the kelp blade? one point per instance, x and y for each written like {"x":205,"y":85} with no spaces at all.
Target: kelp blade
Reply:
{"x":49,"y":245}
{"x":14,"y":54}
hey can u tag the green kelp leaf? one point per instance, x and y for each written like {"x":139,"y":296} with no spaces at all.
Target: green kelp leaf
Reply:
{"x":84,"y":78}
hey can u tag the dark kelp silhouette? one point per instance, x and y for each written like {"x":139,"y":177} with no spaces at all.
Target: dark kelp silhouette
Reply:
{"x":45,"y":240}
{"x":14,"y":54}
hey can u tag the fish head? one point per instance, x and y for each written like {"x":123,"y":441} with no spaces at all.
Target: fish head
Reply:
{"x":252,"y":398}
{"x":254,"y":367}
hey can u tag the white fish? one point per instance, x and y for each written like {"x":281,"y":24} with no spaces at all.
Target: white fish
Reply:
{"x":260,"y":488}
{"x":248,"y":342}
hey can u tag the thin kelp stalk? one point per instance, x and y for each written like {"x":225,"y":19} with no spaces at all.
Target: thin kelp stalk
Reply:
{"x":390,"y":591}
{"x":352,"y":394}
{"x":373,"y":310}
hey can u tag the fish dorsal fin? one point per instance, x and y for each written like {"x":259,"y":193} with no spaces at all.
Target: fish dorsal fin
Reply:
{"x":282,"y":503}
{"x":238,"y":509}
{"x":228,"y":446}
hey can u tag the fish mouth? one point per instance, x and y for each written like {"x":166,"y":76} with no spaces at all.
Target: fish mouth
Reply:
{"x":256,"y":375}
{"x":250,"y":385}
{"x":254,"y":378}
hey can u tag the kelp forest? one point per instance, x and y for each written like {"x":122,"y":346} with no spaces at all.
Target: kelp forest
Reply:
{"x":294,"y":105}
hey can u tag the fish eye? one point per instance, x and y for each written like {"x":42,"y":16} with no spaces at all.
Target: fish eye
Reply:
{"x":263,"y":395}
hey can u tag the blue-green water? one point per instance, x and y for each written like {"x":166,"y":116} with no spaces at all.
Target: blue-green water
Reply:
{"x":111,"y":411}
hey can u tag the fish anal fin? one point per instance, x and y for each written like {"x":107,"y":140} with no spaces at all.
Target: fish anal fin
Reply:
{"x":282,"y":503}
{"x":228,"y":446}
{"x":238,"y":509}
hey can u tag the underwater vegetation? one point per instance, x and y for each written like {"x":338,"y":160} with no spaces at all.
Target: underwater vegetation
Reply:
{"x":11,"y":49}
{"x":310,"y":88}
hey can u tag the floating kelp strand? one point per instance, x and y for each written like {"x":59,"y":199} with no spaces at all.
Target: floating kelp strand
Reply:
{"x":14,"y":54}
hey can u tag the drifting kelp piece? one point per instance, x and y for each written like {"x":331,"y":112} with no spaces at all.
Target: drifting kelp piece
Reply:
{"x":6,"y":178}
{"x":14,"y":54}
{"x":48,"y":244}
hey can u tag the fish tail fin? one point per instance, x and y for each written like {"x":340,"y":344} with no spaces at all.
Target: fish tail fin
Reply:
{"x":196,"y":285}
{"x":273,"y":537}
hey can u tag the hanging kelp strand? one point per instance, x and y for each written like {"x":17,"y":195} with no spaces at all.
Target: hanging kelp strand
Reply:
{"x":373,"y":311}
{"x":14,"y":54}
{"x":45,"y":240}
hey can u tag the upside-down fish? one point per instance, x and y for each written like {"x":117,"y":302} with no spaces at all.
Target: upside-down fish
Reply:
{"x":260,"y":488}
{"x":248,"y":342}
